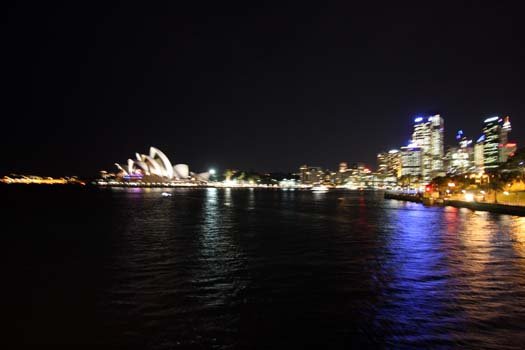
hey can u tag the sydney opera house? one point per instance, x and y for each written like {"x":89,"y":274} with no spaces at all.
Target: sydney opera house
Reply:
{"x":155,"y":168}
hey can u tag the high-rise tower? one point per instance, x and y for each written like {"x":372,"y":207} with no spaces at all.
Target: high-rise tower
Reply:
{"x":437,"y":149}
{"x":428,"y":135}
{"x":495,"y":132}
{"x":495,"y":142}
{"x":389,"y":163}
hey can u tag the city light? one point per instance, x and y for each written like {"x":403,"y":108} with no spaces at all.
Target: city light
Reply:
{"x":411,"y":167}
{"x":39,"y":180}
{"x":491,"y":119}
{"x":153,"y":169}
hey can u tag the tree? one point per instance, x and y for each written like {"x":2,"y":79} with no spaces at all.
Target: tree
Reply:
{"x":496,"y":183}
{"x":228,"y":174}
{"x":516,"y":162}
{"x":441,"y":183}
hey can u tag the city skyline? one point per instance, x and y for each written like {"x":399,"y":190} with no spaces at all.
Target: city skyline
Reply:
{"x":249,"y":88}
{"x":434,"y":156}
{"x":256,"y":175}
{"x":424,"y":159}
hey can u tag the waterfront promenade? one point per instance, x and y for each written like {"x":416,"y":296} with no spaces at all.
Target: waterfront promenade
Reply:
{"x":505,"y":205}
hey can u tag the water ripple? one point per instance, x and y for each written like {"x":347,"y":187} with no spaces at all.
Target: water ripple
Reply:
{"x":227,"y":268}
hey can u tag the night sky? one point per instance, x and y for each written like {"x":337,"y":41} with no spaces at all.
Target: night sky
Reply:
{"x":251,"y":86}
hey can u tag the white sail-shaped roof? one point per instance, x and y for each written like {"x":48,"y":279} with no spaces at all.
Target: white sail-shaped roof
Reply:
{"x":166,"y":164}
{"x":121,"y":169}
{"x":130,"y":166}
{"x":157,"y":163}
{"x":142,"y":165}
{"x":181,"y":171}
{"x":154,"y":167}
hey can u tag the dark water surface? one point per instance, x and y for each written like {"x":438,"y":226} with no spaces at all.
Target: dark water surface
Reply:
{"x":257,"y":269}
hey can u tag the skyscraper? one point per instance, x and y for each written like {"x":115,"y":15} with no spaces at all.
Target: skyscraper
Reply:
{"x":505,"y":130}
{"x":437,"y":151}
{"x":491,"y":131}
{"x":411,"y":161}
{"x":478,"y":154}
{"x":460,"y":160}
{"x":428,"y":135}
{"x":507,"y":151}
{"x":496,"y":133}
{"x":389,"y":163}
{"x":505,"y":148}
{"x":311,"y":174}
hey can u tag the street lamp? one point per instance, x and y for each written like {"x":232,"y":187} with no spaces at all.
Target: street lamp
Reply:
{"x":212,"y":173}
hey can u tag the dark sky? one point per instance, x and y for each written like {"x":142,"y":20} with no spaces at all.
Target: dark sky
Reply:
{"x":251,"y":86}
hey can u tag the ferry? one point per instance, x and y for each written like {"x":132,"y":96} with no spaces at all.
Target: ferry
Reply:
{"x":320,"y":188}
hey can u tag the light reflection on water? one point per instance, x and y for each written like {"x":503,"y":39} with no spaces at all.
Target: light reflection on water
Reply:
{"x":239,"y":268}
{"x":518,"y":236}
{"x":416,"y":286}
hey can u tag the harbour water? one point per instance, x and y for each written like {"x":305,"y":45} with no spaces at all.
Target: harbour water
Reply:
{"x":257,"y":269}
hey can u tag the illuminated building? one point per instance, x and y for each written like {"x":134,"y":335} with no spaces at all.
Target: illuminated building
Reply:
{"x":506,"y":128}
{"x":437,"y":150}
{"x":421,"y":134}
{"x":506,"y":148}
{"x":460,"y":160}
{"x":411,"y":161}
{"x":478,"y":154}
{"x":495,"y":151}
{"x":311,"y":174}
{"x":428,"y":135}
{"x":389,"y":163}
{"x":491,"y":131}
{"x":358,"y":176}
{"x":156,"y":167}
{"x":507,"y":151}
{"x":341,"y":176}
{"x":463,"y":141}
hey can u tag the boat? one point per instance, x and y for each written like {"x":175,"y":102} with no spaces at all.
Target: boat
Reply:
{"x":319,"y":188}
{"x":166,"y":194}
